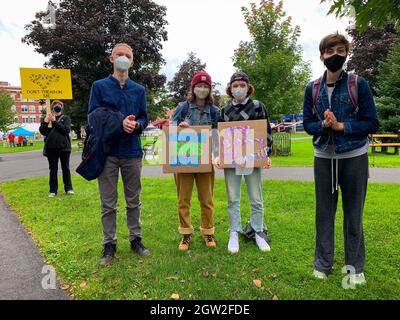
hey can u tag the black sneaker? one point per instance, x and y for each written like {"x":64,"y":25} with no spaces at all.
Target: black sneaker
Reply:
{"x":108,"y":254}
{"x":138,"y":247}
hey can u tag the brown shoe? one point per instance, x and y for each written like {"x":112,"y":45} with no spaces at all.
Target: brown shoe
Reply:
{"x":209,"y":240}
{"x":184,"y":244}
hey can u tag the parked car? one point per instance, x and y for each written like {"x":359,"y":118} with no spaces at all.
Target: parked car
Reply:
{"x":294,"y":127}
{"x":277,"y":127}
{"x":151,"y":131}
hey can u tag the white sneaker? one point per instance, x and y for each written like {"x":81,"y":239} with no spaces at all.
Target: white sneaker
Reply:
{"x":262,"y":243}
{"x":320,"y":275}
{"x":357,"y":279}
{"x":233,"y":245}
{"x":52,"y":195}
{"x":70,"y":192}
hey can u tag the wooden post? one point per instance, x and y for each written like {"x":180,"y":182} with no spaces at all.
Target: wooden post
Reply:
{"x":48,"y":112}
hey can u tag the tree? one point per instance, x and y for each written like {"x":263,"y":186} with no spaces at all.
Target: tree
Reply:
{"x":388,"y":102}
{"x":84,"y":35}
{"x":7,"y":115}
{"x":272,"y":59}
{"x":366,"y":12}
{"x":368,"y":49}
{"x":162,"y":103}
{"x":180,"y":84}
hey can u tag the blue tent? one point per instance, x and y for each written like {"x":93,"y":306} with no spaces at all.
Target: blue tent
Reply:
{"x":23,"y":132}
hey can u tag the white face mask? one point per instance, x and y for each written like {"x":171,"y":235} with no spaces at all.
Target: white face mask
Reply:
{"x":239,"y":94}
{"x":201,"y":93}
{"x":122,"y":63}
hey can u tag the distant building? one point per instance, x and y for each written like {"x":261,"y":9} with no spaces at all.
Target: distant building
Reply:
{"x":28,"y":111}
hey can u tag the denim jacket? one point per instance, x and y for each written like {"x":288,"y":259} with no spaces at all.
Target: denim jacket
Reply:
{"x":194,"y":118}
{"x":357,"y":124}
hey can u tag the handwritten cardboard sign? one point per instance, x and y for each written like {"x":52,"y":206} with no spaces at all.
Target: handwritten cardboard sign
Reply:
{"x":243,"y":144}
{"x":187,"y":150}
{"x":37,"y":84}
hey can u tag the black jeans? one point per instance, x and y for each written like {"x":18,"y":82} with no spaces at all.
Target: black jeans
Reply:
{"x":52,"y":157}
{"x":352,"y":177}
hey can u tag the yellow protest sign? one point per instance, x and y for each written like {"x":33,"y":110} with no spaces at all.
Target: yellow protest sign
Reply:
{"x":39,"y":84}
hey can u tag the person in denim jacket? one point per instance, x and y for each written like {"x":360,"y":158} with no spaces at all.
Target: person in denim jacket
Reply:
{"x":197,"y":110}
{"x":340,"y":124}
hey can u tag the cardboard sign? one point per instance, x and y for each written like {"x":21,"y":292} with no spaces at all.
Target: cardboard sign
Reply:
{"x":243,"y":144}
{"x":38,"y":84}
{"x":187,"y":150}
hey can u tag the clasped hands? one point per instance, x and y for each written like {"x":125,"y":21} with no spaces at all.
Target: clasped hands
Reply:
{"x":129,"y":124}
{"x":330,"y":121}
{"x":49,"y":118}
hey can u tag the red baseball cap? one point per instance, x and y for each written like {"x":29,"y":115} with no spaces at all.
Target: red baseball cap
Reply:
{"x":201,"y":77}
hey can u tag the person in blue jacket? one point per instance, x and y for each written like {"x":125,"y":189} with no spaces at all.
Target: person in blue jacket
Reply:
{"x":120,"y":93}
{"x":339,"y":111}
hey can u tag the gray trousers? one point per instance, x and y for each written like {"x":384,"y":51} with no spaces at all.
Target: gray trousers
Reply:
{"x":352,"y":177}
{"x":108,"y":187}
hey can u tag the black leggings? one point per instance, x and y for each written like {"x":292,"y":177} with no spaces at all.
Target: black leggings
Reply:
{"x":52,"y":157}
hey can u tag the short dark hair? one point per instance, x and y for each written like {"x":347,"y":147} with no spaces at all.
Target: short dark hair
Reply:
{"x":332,"y":40}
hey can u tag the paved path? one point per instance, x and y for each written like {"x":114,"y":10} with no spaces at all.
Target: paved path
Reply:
{"x":33,"y":164}
{"x":21,"y":264}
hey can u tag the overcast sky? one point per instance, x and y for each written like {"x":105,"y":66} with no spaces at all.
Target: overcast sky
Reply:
{"x":210,"y":28}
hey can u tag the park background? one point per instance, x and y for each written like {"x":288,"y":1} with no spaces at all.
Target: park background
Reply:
{"x":276,"y":43}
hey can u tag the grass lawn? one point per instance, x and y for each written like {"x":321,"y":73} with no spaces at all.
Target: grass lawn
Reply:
{"x":37,"y":145}
{"x":68,"y":231}
{"x":302,"y":155}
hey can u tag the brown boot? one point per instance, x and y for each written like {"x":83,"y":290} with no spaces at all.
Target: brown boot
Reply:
{"x":184,"y":244}
{"x":209,"y":240}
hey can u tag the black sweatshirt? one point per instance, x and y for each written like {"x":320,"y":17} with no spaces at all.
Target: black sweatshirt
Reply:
{"x":57,"y":138}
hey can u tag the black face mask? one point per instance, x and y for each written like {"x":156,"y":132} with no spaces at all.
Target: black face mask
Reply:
{"x":335,"y":63}
{"x":57,"y":109}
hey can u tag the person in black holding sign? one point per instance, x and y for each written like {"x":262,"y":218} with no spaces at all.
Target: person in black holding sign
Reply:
{"x":57,"y":146}
{"x":242,"y":108}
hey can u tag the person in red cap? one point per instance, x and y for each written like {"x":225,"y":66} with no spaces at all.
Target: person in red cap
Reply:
{"x":198,"y":109}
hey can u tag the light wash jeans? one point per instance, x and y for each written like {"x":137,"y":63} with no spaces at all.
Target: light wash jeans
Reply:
{"x":253,"y":181}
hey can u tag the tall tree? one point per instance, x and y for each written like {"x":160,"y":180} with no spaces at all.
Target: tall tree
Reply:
{"x":84,"y":34}
{"x":6,"y":113}
{"x":366,"y":12}
{"x":389,"y":91}
{"x":180,"y":84}
{"x":273,"y":58}
{"x":368,"y":49}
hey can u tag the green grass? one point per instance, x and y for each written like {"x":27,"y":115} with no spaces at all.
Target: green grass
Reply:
{"x":68,"y":231}
{"x":37,"y":145}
